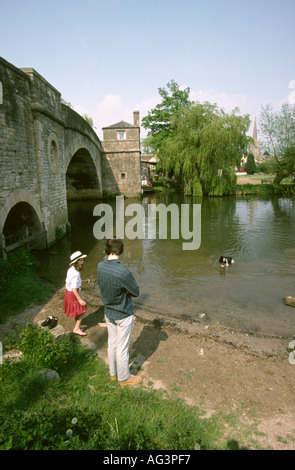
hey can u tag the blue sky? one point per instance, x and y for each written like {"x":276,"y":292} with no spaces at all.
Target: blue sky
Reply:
{"x":109,"y":57}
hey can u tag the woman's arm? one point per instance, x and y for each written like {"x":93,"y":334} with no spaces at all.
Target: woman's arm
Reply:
{"x":75,"y":292}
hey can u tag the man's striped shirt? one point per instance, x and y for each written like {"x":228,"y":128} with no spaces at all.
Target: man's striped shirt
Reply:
{"x":114,"y":280}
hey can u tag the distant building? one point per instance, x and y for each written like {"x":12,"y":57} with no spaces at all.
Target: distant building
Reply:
{"x":255,"y":147}
{"x":148,"y":164}
{"x":121,"y":158}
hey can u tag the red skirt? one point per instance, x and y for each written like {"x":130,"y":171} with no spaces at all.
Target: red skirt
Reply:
{"x":72,"y":307}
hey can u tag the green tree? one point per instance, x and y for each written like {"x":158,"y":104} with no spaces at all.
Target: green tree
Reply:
{"x":278,"y":138}
{"x":158,"y":120}
{"x":146,"y":146}
{"x":88,"y":119}
{"x":250,"y":165}
{"x":205,"y":146}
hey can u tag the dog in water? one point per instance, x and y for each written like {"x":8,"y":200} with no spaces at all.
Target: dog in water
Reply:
{"x":225,"y":261}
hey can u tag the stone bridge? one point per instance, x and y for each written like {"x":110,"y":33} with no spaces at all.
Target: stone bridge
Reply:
{"x":48,"y":153}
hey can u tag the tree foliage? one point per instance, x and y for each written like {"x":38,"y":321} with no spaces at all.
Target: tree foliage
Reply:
{"x":278,"y":138}
{"x":250,"y":166}
{"x":204,"y":147}
{"x":158,"y":120}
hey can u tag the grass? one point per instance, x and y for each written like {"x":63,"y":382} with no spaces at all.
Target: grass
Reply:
{"x":258,"y":177}
{"x":20,"y":293}
{"x":266,"y":190}
{"x":85,"y":410}
{"x":253,"y":186}
{"x":19,"y":284}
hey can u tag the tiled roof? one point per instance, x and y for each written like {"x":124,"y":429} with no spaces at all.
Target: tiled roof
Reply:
{"x":119,"y":125}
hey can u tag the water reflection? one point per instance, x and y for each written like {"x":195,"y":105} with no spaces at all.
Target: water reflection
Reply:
{"x":248,"y":295}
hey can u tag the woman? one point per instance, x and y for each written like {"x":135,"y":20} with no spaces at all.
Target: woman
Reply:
{"x":74,"y":306}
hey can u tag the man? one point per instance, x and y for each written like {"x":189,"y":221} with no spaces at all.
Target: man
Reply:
{"x":117,"y":286}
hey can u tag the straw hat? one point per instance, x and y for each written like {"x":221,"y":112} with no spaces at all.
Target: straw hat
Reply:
{"x":75,"y":256}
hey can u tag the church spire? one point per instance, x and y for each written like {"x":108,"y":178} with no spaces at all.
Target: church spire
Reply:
{"x":255,"y":131}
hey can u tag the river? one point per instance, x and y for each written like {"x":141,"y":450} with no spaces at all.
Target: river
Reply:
{"x":246,"y":296}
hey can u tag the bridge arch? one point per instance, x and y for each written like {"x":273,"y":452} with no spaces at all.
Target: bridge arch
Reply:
{"x":21,"y":217}
{"x":82,"y":166}
{"x":81,"y":176}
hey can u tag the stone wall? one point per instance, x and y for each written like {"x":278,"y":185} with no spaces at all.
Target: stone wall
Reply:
{"x":112,"y":144}
{"x":18,"y":166}
{"x":121,"y":173}
{"x":17,"y":163}
{"x":121,"y":159}
{"x":39,"y":136}
{"x":48,"y":151}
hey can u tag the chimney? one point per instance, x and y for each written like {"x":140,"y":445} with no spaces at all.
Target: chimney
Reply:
{"x":136,"y":118}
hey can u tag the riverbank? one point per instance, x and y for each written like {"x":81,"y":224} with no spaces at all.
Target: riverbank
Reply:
{"x":254,"y":186}
{"x":246,"y":378}
{"x":259,"y":184}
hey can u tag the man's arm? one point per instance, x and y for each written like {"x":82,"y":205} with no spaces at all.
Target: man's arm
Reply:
{"x":130,"y":285}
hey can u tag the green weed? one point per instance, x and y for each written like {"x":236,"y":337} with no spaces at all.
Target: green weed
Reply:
{"x":19,"y":285}
{"x":85,"y":410}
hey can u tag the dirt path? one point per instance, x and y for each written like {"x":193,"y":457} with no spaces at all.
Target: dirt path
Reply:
{"x":205,"y":364}
{"x":248,"y":180}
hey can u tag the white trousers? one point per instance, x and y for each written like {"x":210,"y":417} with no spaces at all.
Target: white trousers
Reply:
{"x":119,"y":336}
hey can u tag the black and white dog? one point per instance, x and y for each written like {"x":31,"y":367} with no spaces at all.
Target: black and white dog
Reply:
{"x":225,"y":261}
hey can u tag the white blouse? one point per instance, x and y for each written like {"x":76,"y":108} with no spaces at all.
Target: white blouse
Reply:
{"x":73,"y":279}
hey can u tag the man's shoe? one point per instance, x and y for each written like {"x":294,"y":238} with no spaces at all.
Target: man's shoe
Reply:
{"x":113,"y":377}
{"x":132,"y":380}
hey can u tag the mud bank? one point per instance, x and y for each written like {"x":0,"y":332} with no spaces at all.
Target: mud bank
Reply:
{"x":207,"y":365}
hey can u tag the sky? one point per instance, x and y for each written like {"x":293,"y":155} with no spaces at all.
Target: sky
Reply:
{"x":109,"y":57}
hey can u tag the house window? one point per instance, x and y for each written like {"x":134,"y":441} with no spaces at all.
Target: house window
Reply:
{"x":123,"y":176}
{"x":121,"y":135}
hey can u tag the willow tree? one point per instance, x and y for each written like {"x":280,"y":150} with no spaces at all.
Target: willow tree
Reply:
{"x":278,"y":138}
{"x":204,"y":148}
